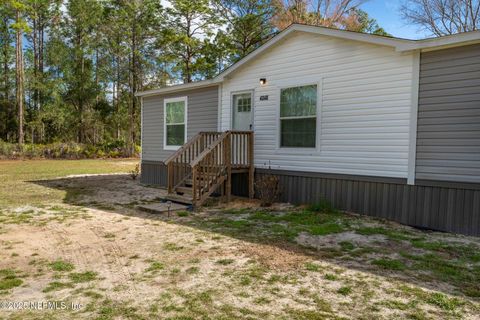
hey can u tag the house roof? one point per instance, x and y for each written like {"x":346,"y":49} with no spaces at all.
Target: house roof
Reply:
{"x":400,"y":45}
{"x":179,"y":87}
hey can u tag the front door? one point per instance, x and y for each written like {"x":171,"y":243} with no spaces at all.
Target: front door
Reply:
{"x":242,"y":111}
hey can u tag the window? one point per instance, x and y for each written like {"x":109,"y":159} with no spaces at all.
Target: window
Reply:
{"x":243,"y":102}
{"x":175,"y":122}
{"x":298,"y":117}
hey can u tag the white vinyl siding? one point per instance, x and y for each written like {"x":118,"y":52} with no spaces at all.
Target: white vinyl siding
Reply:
{"x":364,"y":105}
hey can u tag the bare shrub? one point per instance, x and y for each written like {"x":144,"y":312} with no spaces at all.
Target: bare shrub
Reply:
{"x":268,"y":189}
{"x":135,"y":172}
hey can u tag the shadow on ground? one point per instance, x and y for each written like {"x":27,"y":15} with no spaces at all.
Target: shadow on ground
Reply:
{"x":293,"y":237}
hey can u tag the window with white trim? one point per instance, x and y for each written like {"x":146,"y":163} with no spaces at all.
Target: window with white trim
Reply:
{"x":298,"y":117}
{"x":175,"y":122}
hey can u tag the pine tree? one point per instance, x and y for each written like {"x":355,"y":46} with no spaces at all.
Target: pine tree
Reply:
{"x":20,"y":26}
{"x":190,"y":24}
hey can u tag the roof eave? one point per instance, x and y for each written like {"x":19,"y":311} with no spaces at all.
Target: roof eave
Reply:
{"x":455,"y":40}
{"x":179,"y":88}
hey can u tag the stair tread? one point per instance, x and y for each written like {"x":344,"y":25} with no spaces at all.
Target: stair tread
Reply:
{"x":179,"y":198}
{"x":184,"y":189}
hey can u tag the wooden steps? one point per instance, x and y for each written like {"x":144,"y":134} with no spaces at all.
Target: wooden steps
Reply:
{"x":205,"y":164}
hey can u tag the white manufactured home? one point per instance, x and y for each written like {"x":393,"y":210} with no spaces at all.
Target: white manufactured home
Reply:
{"x":377,"y":125}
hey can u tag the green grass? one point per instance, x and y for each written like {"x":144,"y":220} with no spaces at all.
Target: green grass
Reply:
{"x":17,"y":187}
{"x":61,"y":266}
{"x":398,"y":305}
{"x":462,"y":273}
{"x":310,"y":266}
{"x":330,"y":277}
{"x":323,"y":206}
{"x":347,"y":245}
{"x":109,"y":309}
{"x":155,"y":266}
{"x":192,"y":270}
{"x":388,"y":233}
{"x":182,"y":213}
{"x":225,"y":261}
{"x":468,"y":253}
{"x":109,"y":235}
{"x":344,"y":291}
{"x":9,"y":279}
{"x":86,"y":276}
{"x":170,"y":246}
{"x":6,"y":284}
{"x":389,"y":264}
{"x":440,"y":300}
{"x":327,"y":228}
{"x":92,"y":294}
{"x":57,"y":285}
{"x":287,"y":226}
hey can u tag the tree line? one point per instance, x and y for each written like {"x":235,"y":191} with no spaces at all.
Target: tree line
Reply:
{"x":70,"y":69}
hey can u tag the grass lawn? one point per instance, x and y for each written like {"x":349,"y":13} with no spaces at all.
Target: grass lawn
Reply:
{"x":79,"y":240}
{"x":16,"y":190}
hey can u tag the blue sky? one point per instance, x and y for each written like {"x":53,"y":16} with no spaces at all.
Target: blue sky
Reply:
{"x":387,"y":13}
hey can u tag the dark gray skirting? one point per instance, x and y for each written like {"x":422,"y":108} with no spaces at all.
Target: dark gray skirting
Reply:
{"x":154,"y":173}
{"x":433,"y":205}
{"x":443,"y":206}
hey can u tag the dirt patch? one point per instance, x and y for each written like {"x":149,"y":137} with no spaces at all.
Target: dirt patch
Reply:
{"x":333,"y":240}
{"x":253,"y":204}
{"x":275,"y":257}
{"x":107,"y":189}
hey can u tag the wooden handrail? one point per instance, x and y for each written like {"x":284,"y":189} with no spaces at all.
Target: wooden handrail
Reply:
{"x":209,"y":169}
{"x":178,"y":164}
{"x":222,"y":136}
{"x":205,"y":152}
{"x":191,"y":141}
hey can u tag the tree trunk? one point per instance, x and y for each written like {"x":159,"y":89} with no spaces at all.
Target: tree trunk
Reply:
{"x":133,"y":105}
{"x":40,"y":62}
{"x":81,"y":69}
{"x":6,"y":87}
{"x":5,"y":66}
{"x":188,"y":75}
{"x":117,"y":97}
{"x":97,"y":96}
{"x":35,"y":63}
{"x":19,"y":80}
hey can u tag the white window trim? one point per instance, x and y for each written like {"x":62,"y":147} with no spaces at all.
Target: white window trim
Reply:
{"x":165,"y":101}
{"x":412,"y":147}
{"x":300,"y":150}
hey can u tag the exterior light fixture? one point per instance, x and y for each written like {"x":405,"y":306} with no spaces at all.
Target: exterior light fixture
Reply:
{"x":263,"y":81}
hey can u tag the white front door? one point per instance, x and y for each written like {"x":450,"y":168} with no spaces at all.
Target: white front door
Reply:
{"x":242,"y":111}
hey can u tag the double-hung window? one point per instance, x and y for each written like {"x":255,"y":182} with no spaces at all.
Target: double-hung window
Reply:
{"x":298,"y":117}
{"x":175,"y":122}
